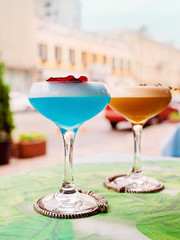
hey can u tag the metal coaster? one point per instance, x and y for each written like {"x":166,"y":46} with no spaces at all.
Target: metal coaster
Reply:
{"x":100,"y":207}
{"x":110,"y":183}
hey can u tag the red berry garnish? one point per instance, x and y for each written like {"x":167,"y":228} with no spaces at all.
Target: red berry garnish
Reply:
{"x":83,"y":78}
{"x":69,"y":78}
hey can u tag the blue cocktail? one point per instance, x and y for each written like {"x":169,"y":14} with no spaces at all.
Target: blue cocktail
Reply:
{"x":69,"y":104}
{"x":69,"y":112}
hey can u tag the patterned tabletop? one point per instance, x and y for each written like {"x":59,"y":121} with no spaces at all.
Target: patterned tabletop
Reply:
{"x":130,"y":216}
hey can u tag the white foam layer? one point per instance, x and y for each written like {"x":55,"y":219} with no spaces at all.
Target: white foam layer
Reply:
{"x":56,"y":89}
{"x":141,"y":91}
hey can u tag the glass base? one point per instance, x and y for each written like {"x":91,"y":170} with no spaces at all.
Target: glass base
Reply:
{"x":80,"y":204}
{"x":134,"y":183}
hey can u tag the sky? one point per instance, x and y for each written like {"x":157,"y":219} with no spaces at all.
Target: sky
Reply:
{"x":160,"y":17}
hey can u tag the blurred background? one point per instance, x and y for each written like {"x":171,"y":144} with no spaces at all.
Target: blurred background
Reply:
{"x":116,"y":42}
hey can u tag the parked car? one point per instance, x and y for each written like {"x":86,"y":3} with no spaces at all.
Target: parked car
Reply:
{"x":115,"y":117}
{"x":19,"y":102}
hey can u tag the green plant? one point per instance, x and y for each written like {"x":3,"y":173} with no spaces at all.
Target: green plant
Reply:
{"x":174,"y":115}
{"x":6,"y":116}
{"x":31,"y":136}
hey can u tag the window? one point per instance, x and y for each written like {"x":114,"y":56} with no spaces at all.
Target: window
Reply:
{"x":48,"y":4}
{"x":58,"y":54}
{"x":104,"y":59}
{"x":43,"y":52}
{"x":72,"y":56}
{"x":121,"y":64}
{"x":94,"y":58}
{"x":113,"y":63}
{"x":84,"y":59}
{"x":129,"y":65}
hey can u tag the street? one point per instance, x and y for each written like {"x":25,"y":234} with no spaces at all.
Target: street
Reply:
{"x":94,"y":136}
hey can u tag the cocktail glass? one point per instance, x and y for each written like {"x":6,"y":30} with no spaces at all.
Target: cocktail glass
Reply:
{"x":137,"y":104}
{"x":68,"y":105}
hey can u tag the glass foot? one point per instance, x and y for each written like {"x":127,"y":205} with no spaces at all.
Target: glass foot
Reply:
{"x":80,"y":204}
{"x":133,"y":184}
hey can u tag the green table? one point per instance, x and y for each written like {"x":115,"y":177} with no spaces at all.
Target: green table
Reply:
{"x":130,"y":216}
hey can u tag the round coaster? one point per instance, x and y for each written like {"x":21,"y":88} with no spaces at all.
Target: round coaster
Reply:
{"x":127,"y":184}
{"x":98,"y":204}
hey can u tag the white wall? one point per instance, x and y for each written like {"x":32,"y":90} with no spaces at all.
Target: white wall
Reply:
{"x":17,"y":33}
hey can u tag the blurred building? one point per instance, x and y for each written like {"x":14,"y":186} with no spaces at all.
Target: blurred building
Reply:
{"x":17,"y":41}
{"x":36,"y":45}
{"x":40,"y":39}
{"x":64,"y":12}
{"x":153,"y":62}
{"x":62,"y":51}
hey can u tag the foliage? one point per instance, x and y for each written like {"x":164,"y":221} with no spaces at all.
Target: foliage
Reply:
{"x":155,"y":215}
{"x":6,"y":116}
{"x":174,"y":115}
{"x":160,"y":85}
{"x":31,"y":136}
{"x":43,"y":228}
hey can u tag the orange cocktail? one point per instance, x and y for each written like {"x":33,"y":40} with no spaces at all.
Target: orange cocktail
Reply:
{"x":141,"y":103}
{"x":138,"y":104}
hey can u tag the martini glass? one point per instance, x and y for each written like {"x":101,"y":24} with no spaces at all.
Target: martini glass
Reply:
{"x":138,"y":104}
{"x":68,"y":105}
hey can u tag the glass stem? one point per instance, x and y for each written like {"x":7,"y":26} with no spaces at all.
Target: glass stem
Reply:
{"x":68,"y":186}
{"x":137,"y":129}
